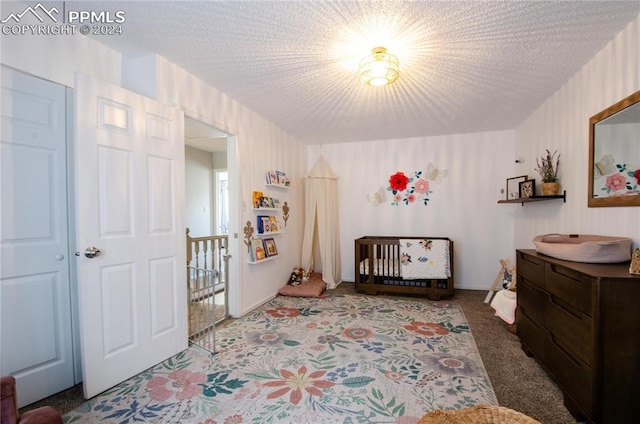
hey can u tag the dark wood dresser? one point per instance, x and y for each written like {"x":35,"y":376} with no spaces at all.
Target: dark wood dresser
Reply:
{"x":582,"y":323}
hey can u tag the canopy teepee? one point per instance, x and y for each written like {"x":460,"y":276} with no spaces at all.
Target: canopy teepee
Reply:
{"x":321,"y":221}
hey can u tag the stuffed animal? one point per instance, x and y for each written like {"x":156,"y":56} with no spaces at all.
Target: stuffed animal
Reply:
{"x":298,"y":276}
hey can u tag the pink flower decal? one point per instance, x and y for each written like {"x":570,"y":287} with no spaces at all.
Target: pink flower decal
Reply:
{"x":411,"y":198}
{"x":296,"y":382}
{"x":234,"y":419}
{"x":181,"y":384}
{"x":616,"y":182}
{"x":422,"y":186}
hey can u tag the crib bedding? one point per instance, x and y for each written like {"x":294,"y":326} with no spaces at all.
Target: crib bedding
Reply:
{"x":424,"y":258}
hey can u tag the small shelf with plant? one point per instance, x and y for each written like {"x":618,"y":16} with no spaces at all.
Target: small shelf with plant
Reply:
{"x":548,"y":170}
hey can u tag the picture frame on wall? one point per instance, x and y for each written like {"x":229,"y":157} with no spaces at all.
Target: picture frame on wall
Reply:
{"x":258,"y":252}
{"x":513,"y":186}
{"x":527,"y":188}
{"x":270,"y":247}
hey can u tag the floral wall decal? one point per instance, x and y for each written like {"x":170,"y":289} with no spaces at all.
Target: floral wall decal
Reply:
{"x":408,"y":190}
{"x":378,"y":197}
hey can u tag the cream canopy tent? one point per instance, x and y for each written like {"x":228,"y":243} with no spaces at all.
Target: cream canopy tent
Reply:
{"x":321,"y":221}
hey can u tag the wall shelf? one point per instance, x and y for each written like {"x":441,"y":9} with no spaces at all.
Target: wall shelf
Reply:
{"x":267,"y":259}
{"x":524,"y":200}
{"x":270,"y":233}
{"x":280,"y":186}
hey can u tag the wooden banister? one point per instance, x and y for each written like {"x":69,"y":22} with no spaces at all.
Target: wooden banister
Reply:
{"x":206,"y":252}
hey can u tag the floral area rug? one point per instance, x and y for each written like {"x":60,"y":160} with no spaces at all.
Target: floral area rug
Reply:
{"x":342,"y":359}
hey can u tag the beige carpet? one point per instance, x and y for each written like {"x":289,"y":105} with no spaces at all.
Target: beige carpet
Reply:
{"x":201,"y":315}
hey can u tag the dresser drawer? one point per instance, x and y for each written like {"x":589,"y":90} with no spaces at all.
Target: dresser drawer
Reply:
{"x":530,"y":268}
{"x":572,"y":330}
{"x":530,"y":333}
{"x":572,"y":375}
{"x":532,"y":302}
{"x":566,"y":285}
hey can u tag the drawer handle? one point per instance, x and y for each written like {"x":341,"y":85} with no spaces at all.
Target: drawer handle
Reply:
{"x":524,"y":312}
{"x":526,"y":258}
{"x":564,"y":308}
{"x":564,"y":273}
{"x":567,"y":354}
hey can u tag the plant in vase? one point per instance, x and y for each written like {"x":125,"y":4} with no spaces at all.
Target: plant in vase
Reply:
{"x":548,"y":170}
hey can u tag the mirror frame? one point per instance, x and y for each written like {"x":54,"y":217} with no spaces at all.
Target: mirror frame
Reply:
{"x":612,"y":200}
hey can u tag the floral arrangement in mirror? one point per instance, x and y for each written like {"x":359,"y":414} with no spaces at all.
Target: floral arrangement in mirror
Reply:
{"x":548,"y":169}
{"x":620,"y":179}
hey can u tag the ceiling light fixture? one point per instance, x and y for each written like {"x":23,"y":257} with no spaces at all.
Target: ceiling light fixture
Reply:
{"x":379,"y":68}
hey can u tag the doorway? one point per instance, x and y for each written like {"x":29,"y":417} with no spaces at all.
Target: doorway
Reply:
{"x":207,"y":222}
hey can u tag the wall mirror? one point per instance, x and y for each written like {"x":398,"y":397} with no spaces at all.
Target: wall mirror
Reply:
{"x":614,"y":154}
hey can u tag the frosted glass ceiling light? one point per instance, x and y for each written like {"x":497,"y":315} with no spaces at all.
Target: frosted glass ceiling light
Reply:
{"x":379,"y":68}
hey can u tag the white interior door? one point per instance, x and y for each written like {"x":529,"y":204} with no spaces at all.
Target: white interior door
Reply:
{"x":36,"y":336}
{"x":129,"y":191}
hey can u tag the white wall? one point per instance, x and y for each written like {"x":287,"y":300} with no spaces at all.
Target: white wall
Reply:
{"x":562,"y":123}
{"x":462,"y":207}
{"x":198,"y":192}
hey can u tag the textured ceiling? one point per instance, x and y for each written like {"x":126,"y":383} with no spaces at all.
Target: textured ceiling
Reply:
{"x":465,"y":66}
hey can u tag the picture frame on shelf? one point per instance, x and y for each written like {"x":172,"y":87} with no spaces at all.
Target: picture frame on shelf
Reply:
{"x":265,"y":202}
{"x":513,"y":186}
{"x":270,"y":247}
{"x":266,"y":224}
{"x":258,"y":251}
{"x":256,"y":195}
{"x":527,"y":188}
{"x":260,"y":220}
{"x":273,"y":224}
{"x":272,"y":177}
{"x":282,"y":177}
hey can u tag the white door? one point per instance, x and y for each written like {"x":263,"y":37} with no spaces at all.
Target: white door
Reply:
{"x":129,"y":190}
{"x":36,"y":337}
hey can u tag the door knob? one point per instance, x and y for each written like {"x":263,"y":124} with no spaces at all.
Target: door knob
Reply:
{"x":92,"y":252}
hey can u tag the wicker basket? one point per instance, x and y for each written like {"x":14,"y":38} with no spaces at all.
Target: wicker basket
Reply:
{"x":479,"y":414}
